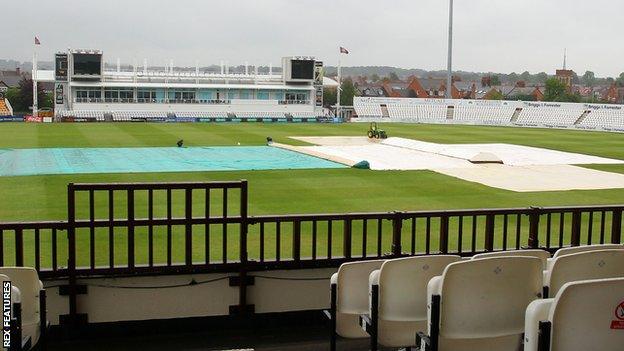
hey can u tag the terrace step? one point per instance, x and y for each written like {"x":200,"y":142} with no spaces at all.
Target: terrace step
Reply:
{"x":582,"y":117}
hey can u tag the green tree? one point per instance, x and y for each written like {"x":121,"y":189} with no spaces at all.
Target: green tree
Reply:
{"x":541,"y":78}
{"x":495,"y":95}
{"x":393,"y":77}
{"x":329,"y":97}
{"x":375,"y":78}
{"x":347,"y":92}
{"x":620,"y":80}
{"x":495,"y":81}
{"x":555,"y":90}
{"x":513,"y":77}
{"x":24,"y":98}
{"x":13,"y":95}
{"x":526,"y":76}
{"x":48,"y":102}
{"x":589,"y":78}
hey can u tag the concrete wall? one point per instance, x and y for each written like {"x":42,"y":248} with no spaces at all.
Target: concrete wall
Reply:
{"x":106,"y":301}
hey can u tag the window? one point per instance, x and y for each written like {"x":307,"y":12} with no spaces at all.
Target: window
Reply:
{"x":296,"y":96}
{"x":115,"y":94}
{"x":111,"y":94}
{"x":146,"y":95}
{"x":88,"y":94}
{"x":184,"y":95}
{"x":263,"y":95}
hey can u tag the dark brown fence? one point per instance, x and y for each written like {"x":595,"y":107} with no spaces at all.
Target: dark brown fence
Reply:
{"x":175,"y":228}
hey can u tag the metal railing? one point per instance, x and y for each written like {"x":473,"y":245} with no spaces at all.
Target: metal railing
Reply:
{"x":203,"y":227}
{"x":151,"y":101}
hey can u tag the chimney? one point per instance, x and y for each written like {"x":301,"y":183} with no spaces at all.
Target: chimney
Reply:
{"x":18,"y":71}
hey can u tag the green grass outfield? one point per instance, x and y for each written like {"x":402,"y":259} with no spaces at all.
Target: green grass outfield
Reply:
{"x":301,"y":191}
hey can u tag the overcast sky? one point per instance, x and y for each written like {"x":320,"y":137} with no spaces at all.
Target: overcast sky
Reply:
{"x":490,"y":35}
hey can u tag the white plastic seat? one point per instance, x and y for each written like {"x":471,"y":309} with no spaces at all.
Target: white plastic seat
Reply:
{"x":480,"y":304}
{"x":30,"y":287}
{"x":15,"y":299}
{"x":584,"y":315}
{"x":351,"y":297}
{"x":400,"y":286}
{"x":584,"y":248}
{"x":595,"y":264}
{"x":543,"y":255}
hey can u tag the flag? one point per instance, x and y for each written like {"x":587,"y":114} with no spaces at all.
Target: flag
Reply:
{"x":344,"y":51}
{"x":37,"y":42}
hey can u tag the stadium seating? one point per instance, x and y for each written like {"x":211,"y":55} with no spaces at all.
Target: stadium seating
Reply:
{"x":604,"y":116}
{"x":541,"y":254}
{"x":480,"y":304}
{"x":584,"y":315}
{"x":365,"y":108}
{"x":86,"y":114}
{"x":138,"y":115}
{"x":485,"y":112}
{"x":303,"y":114}
{"x":4,"y":109}
{"x":260,"y":115}
{"x":596,"y":264}
{"x":349,"y":298}
{"x":550,"y":114}
{"x":493,"y":113}
{"x":198,"y":114}
{"x":30,"y":289}
{"x":398,"y":307}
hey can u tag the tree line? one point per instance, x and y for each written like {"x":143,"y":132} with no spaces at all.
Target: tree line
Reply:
{"x":21,"y":97}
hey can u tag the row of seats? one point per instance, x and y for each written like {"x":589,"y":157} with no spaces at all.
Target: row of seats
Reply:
{"x":366,"y":109}
{"x":133,"y":115}
{"x":423,"y":113}
{"x":304,"y":114}
{"x":588,"y":116}
{"x":604,"y":118}
{"x":260,"y":114}
{"x":197,"y":114}
{"x":488,"y":115}
{"x":493,"y":301}
{"x":560,"y":116}
{"x":4,"y":109}
{"x":29,"y":322}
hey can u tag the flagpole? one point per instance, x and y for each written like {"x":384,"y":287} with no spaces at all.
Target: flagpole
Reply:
{"x":34,"y":80}
{"x":339,"y":87}
{"x":449,"y":69}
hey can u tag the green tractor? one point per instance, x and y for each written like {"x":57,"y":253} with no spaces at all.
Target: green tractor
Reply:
{"x":375,"y":132}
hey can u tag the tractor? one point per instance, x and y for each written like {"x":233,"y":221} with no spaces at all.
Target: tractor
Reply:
{"x":375,"y":132}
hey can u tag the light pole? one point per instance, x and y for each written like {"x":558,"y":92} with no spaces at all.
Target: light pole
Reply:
{"x":449,"y":69}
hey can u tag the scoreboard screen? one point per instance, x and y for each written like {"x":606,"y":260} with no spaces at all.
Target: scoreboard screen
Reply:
{"x":302,"y":69}
{"x":60,"y":67}
{"x":87,"y":64}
